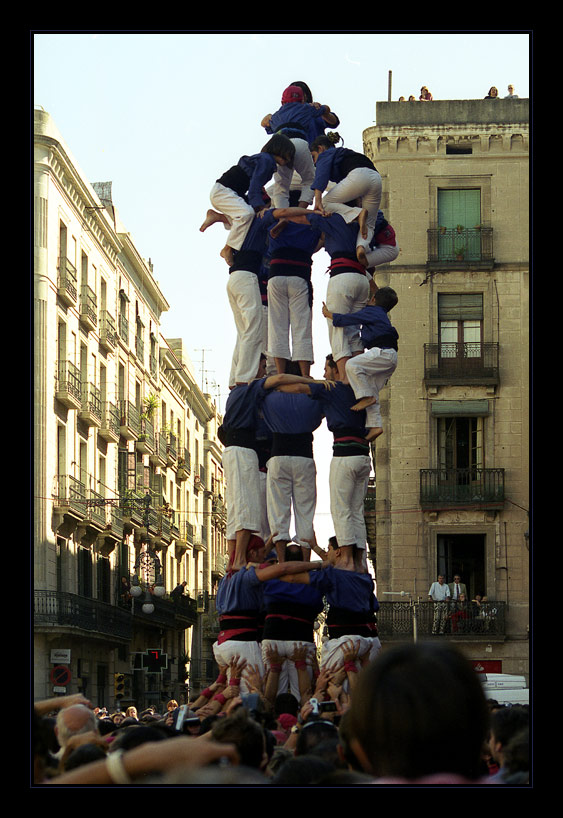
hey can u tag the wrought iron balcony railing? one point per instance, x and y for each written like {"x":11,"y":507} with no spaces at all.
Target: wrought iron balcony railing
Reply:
{"x":469,"y":621}
{"x":67,"y":284}
{"x":462,"y":363}
{"x":452,"y":247}
{"x":57,"y":608}
{"x":444,"y":488}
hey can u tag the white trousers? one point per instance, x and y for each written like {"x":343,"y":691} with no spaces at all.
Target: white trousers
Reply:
{"x":238,"y":212}
{"x":348,"y":482}
{"x":244,"y":297}
{"x":289,"y":310}
{"x":304,"y":166}
{"x":346,"y":292}
{"x":291,"y":481}
{"x":270,"y":364}
{"x":288,"y":678}
{"x":242,"y":490}
{"x":363,"y":184}
{"x":251,"y":651}
{"x":383,"y":254}
{"x":368,"y":374}
{"x":332,"y":653}
{"x":264,"y":525}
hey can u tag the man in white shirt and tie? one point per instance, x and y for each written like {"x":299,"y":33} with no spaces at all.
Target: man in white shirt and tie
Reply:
{"x":440,"y":593}
{"x":457,"y":588}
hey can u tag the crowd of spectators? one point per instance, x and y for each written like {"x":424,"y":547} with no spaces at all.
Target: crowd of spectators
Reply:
{"x":416,"y":715}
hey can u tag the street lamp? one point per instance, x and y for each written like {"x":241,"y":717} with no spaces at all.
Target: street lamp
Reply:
{"x":412,"y":606}
{"x":148,"y":566}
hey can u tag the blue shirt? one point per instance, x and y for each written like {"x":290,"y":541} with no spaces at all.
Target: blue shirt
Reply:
{"x":239,"y":591}
{"x":340,"y":237}
{"x":334,"y":164}
{"x":309,"y":594}
{"x":336,"y":404}
{"x":291,"y":414}
{"x":350,"y":590}
{"x":296,"y":237}
{"x":299,"y":116}
{"x":377,"y":329}
{"x":243,"y":405}
{"x":260,"y":167}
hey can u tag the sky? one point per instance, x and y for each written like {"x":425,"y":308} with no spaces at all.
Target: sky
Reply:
{"x":163,"y":114}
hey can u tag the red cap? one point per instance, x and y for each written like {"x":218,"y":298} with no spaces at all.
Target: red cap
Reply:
{"x":293,"y":93}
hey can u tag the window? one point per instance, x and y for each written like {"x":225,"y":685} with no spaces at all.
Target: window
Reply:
{"x":460,"y":446}
{"x":459,"y":220}
{"x":463,"y":554}
{"x":460,"y":319}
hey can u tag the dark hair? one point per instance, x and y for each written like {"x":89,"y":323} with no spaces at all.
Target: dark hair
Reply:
{"x":407,"y":705}
{"x":328,"y":140}
{"x":300,"y":771}
{"x":280,"y":145}
{"x":508,"y":721}
{"x":246,"y":734}
{"x":305,"y":88}
{"x":286,"y":703}
{"x":386,"y":297}
{"x":314,"y":733}
{"x":293,"y":552}
{"x":84,"y":754}
{"x":333,"y":542}
{"x":331,"y":362}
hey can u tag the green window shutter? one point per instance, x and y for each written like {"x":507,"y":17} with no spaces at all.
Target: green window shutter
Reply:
{"x":460,"y":306}
{"x":459,"y":207}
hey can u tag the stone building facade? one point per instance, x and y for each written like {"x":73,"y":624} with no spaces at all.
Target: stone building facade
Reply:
{"x":126,"y":461}
{"x":452,"y":468}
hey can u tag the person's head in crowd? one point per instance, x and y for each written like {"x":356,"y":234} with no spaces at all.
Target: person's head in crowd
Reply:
{"x":313,"y":733}
{"x":517,"y":758}
{"x":172,"y":705}
{"x":131,"y":712}
{"x":279,"y":756}
{"x":247,"y":736}
{"x":84,"y":754}
{"x":105,"y":726}
{"x":137,"y":734}
{"x":406,"y":702}
{"x":73,"y":721}
{"x":301,"y":771}
{"x":504,"y":725}
{"x":286,"y":703}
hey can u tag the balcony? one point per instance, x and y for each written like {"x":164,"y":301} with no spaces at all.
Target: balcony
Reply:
{"x":91,"y":406}
{"x":95,"y":514}
{"x":134,"y":510}
{"x":184,"y":464}
{"x":146,"y":441}
{"x":88,"y":313}
{"x":460,"y":248}
{"x":140,"y":349}
{"x":461,"y":488}
{"x":123,"y":328}
{"x":56,"y":609}
{"x":159,"y":456}
{"x":67,"y":282}
{"x":108,"y":331}
{"x":70,"y":497}
{"x":129,"y":420}
{"x":68,"y":389}
{"x":486,"y":623}
{"x":461,"y":364}
{"x":171,"y":449}
{"x":109,"y":429}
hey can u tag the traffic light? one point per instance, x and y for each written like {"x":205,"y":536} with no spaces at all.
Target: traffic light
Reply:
{"x":118,"y":685}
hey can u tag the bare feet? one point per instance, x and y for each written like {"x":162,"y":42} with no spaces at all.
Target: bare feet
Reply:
{"x":362,"y":256}
{"x":227,"y":254}
{"x":363,"y":222}
{"x":362,"y":403}
{"x":212,"y":217}
{"x":277,"y":228}
{"x":374,"y":432}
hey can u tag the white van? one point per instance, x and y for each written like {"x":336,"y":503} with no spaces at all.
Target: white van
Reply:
{"x":505,"y":688}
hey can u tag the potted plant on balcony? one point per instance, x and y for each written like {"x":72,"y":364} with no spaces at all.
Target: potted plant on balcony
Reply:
{"x":459,"y":253}
{"x":442,"y":229}
{"x":459,"y":228}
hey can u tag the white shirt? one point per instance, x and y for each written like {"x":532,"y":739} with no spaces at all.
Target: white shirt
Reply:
{"x":438,"y":592}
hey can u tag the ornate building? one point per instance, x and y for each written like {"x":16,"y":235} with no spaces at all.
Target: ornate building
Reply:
{"x":127,"y":465}
{"x":452,"y":468}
